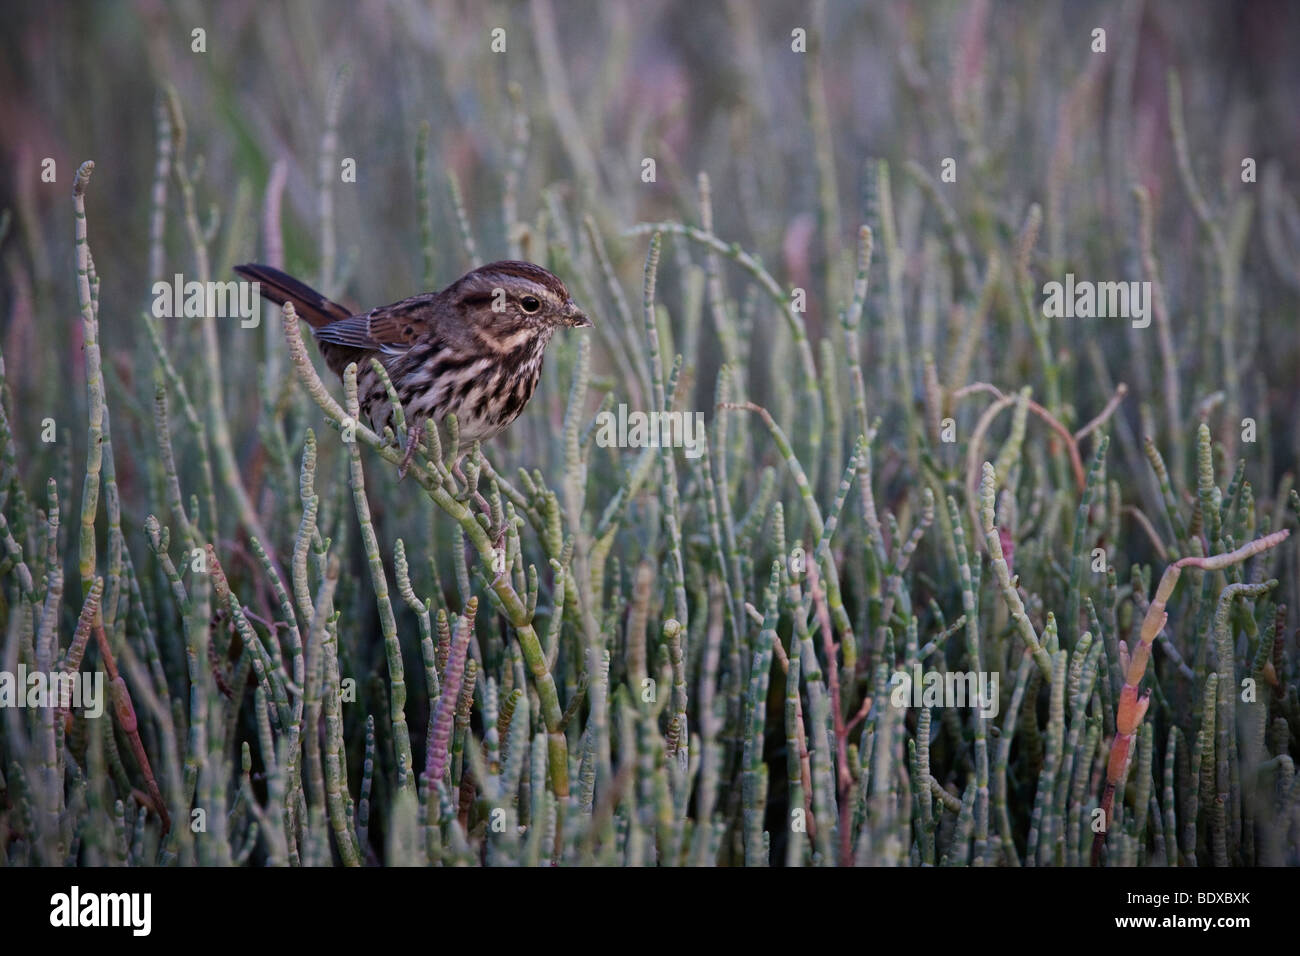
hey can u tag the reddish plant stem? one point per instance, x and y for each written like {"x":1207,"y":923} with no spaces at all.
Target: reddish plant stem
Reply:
{"x":1132,"y":706}
{"x":125,"y":714}
{"x":444,"y":714}
{"x":89,"y":612}
{"x":1071,"y":444}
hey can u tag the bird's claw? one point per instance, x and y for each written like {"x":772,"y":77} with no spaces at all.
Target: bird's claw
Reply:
{"x":413,"y":436}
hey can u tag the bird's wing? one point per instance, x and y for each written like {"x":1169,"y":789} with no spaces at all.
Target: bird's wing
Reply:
{"x":389,"y":328}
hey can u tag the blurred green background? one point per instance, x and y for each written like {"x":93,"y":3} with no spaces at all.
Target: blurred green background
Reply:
{"x":1011,"y":90}
{"x":557,"y":129}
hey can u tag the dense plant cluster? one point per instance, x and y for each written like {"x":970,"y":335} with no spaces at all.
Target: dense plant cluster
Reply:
{"x":913,"y":480}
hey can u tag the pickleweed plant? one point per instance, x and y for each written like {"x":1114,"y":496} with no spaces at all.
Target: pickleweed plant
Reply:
{"x":922,"y":511}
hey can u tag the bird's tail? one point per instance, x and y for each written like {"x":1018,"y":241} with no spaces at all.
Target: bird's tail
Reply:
{"x":281,"y":288}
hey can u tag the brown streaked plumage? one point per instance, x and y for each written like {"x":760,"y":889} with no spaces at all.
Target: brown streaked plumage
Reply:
{"x":474,"y":349}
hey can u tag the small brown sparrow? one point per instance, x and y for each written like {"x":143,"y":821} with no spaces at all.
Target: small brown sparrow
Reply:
{"x":474,"y":349}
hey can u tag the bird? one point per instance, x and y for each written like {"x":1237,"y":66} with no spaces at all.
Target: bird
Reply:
{"x":475,"y":348}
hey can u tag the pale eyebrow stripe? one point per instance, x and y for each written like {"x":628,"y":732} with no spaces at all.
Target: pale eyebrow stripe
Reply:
{"x":500,"y":280}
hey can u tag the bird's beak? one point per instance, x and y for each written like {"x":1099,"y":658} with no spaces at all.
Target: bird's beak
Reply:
{"x":575,"y":318}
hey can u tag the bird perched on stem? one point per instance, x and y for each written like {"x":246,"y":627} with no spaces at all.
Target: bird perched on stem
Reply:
{"x":474,"y":349}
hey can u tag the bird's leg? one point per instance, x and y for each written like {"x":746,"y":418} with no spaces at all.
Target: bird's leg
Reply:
{"x":413,"y":435}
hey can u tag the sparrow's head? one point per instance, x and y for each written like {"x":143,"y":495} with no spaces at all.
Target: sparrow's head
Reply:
{"x":515,"y":293}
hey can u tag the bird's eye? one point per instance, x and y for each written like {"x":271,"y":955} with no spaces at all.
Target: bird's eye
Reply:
{"x":530,"y":304}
